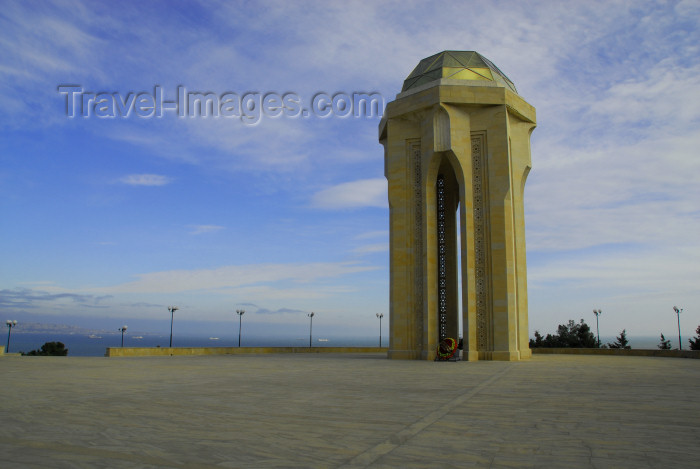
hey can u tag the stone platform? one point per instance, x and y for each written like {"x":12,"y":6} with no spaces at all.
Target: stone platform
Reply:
{"x":354,"y":410}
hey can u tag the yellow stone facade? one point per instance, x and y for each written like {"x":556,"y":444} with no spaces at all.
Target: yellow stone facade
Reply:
{"x":458,"y":150}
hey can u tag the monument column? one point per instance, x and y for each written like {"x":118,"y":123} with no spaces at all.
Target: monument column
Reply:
{"x":457,"y":154}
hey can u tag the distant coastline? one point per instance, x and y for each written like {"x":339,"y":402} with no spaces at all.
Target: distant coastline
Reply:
{"x":82,"y":342}
{"x":94,"y":343}
{"x":44,"y":328}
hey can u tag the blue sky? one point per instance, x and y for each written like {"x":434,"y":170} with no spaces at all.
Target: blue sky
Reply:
{"x":107,"y":220}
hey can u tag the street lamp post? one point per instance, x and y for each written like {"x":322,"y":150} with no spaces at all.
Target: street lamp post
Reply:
{"x":311,"y":325}
{"x":678,"y":313}
{"x":240,"y":313}
{"x":172,"y":310}
{"x":597,"y":313}
{"x":10,"y":325}
{"x":380,"y":316}
{"x":123,"y":330}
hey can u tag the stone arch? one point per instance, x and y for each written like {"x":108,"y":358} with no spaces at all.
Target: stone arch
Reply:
{"x":473,"y":137}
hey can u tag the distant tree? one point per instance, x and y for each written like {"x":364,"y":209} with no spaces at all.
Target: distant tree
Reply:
{"x":621,"y":341}
{"x":665,"y":344}
{"x":570,"y":335}
{"x":56,"y":349}
{"x":695,"y":341}
{"x":537,"y":341}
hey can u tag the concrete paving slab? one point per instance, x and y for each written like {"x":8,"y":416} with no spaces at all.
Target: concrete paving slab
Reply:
{"x":354,"y":410}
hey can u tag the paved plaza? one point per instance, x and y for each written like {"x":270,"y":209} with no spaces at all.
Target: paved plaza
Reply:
{"x":351,"y":410}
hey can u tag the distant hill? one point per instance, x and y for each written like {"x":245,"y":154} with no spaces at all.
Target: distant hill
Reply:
{"x":42,"y":328}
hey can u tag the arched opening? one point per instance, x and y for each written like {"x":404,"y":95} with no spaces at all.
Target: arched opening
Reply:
{"x":449,"y":301}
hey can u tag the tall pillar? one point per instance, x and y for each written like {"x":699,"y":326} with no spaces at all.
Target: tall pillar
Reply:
{"x":457,"y":154}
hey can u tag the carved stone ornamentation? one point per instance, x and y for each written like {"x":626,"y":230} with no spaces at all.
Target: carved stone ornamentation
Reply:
{"x":456,"y":156}
{"x":417,"y":174}
{"x":480,"y":244}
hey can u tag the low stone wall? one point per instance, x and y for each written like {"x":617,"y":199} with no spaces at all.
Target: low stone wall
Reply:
{"x":620,"y":352}
{"x":165,"y":351}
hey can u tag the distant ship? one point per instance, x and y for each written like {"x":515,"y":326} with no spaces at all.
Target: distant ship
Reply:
{"x":93,"y":336}
{"x":213,"y":338}
{"x":137,"y":337}
{"x":323,"y":340}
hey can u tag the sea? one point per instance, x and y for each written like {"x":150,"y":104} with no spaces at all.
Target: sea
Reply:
{"x":95,"y":345}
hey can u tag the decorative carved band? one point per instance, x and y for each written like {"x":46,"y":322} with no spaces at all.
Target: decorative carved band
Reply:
{"x":480,"y":205}
{"x":442,"y":258}
{"x":417,"y":178}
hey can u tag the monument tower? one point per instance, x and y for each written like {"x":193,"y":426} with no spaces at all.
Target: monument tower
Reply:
{"x":456,"y":156}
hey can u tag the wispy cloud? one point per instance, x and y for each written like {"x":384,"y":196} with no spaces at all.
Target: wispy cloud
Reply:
{"x":371,"y":248}
{"x":203,"y":229}
{"x":373,"y":234}
{"x":355,"y":194}
{"x":236,"y":276}
{"x":641,"y":193}
{"x":145,"y":180}
{"x":144,"y":304}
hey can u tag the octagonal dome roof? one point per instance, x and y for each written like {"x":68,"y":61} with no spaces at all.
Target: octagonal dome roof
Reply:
{"x":456,"y":65}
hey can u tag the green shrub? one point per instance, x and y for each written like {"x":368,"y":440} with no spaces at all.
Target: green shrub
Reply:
{"x":55,"y":349}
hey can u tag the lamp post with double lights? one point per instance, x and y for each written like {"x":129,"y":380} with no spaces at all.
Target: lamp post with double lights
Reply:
{"x":10,"y":325}
{"x":240,"y":313}
{"x":678,"y":313}
{"x":597,"y":313}
{"x":311,"y":325}
{"x":172,"y":310}
{"x":380,"y":316}
{"x":123,"y":330}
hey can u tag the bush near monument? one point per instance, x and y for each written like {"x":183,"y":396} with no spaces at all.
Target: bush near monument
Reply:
{"x":55,"y":349}
{"x":695,"y":341}
{"x":665,"y":344}
{"x":621,"y":342}
{"x":569,"y":335}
